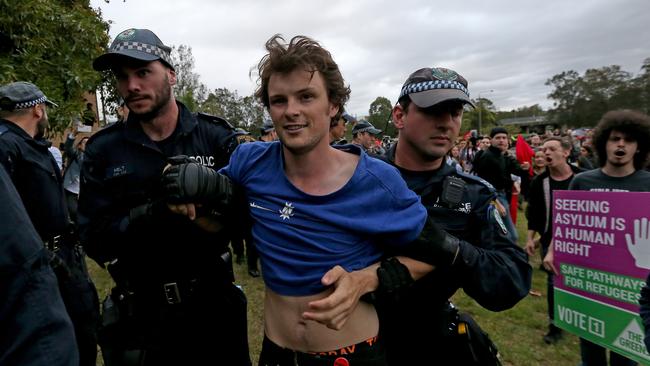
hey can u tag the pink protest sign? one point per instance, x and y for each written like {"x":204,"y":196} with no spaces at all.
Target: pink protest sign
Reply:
{"x":601,"y":242}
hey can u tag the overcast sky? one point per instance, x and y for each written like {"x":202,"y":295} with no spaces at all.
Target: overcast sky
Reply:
{"x":510,"y":47}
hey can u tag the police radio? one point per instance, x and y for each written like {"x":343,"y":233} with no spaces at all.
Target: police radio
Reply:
{"x":452,"y":191}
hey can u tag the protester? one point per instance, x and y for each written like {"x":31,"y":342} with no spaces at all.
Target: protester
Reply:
{"x":622,"y":142}
{"x":37,"y":178}
{"x":496,"y":166}
{"x":475,"y":242}
{"x":318,"y":224}
{"x":539,"y":163}
{"x":56,"y":154}
{"x":71,"y":176}
{"x":172,"y":269}
{"x":557,"y":176}
{"x":535,"y":141}
{"x":36,"y":328}
{"x":586,"y":159}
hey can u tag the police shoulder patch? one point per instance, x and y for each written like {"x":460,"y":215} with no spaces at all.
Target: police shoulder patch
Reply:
{"x":494,"y":212}
{"x":215,"y":119}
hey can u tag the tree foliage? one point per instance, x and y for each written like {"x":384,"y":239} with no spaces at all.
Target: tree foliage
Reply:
{"x":244,"y":112}
{"x":581,"y":100}
{"x":188,"y":88}
{"x":471,"y":116}
{"x":380,"y":115}
{"x":52,"y":43}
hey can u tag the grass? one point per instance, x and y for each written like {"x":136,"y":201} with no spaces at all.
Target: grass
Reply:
{"x":516,"y":332}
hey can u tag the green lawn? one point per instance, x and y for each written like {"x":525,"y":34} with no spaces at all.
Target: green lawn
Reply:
{"x":517,"y":332}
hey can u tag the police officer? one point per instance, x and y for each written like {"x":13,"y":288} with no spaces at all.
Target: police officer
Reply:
{"x":37,"y":329}
{"x":477,"y":253}
{"x":25,"y":156}
{"x":171,"y":268}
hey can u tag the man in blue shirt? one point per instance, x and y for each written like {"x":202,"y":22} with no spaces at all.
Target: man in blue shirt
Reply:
{"x":318,"y":214}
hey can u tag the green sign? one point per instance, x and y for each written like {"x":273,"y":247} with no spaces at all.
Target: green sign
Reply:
{"x":606,"y":325}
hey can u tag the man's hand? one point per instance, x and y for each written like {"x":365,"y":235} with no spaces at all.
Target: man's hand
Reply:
{"x":333,"y":311}
{"x":185,"y":209}
{"x":548,"y":261}
{"x":531,"y":247}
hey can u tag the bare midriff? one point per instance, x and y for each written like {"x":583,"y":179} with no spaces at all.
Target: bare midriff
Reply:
{"x":284,"y":325}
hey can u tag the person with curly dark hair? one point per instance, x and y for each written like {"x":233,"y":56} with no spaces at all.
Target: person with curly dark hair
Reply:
{"x":621,"y":140}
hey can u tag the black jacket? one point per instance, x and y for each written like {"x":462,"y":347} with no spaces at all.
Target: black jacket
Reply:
{"x":495,"y":167}
{"x":492,"y":269}
{"x":35,"y":326}
{"x":37,"y":179}
{"x":122,"y":169}
{"x":537,"y":210}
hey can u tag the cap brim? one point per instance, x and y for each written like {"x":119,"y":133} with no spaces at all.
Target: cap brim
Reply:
{"x":428,"y":98}
{"x":51,"y":103}
{"x":107,"y":60}
{"x":374,"y":131}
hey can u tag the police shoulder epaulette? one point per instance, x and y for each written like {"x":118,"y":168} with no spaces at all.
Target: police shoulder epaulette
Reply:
{"x":215,"y":119}
{"x":475,"y":179}
{"x":106,"y":129}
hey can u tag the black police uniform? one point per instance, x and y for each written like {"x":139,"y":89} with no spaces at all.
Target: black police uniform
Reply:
{"x":489,"y":266}
{"x":38,"y":181}
{"x":173,"y":285}
{"x":35,"y":329}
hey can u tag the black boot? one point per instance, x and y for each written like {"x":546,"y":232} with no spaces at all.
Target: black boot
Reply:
{"x":554,"y":334}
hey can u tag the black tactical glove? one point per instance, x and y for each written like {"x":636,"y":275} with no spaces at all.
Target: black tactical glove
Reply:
{"x":192,"y":182}
{"x":394,"y":278}
{"x":434,"y":246}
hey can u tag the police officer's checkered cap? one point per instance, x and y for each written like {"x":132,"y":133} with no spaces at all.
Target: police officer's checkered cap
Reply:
{"x":21,"y":95}
{"x":429,"y":86}
{"x":141,"y":44}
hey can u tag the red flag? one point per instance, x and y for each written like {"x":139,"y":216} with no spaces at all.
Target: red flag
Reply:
{"x":524,"y":153}
{"x":467,"y":135}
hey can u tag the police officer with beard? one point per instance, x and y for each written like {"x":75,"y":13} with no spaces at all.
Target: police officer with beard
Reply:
{"x":170,"y":262}
{"x":474,"y":250}
{"x":37,"y":178}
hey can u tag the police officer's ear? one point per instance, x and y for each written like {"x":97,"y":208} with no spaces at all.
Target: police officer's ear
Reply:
{"x":398,"y":116}
{"x":39,"y":111}
{"x":171,"y":75}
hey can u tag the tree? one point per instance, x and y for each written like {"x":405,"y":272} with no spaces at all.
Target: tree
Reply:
{"x":244,"y":112}
{"x":488,"y":116}
{"x":582,"y":100}
{"x":188,"y":88}
{"x":52,"y":44}
{"x":380,"y":115}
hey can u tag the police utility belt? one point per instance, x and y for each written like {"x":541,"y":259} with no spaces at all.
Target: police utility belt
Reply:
{"x":56,"y":242}
{"x":172,"y":292}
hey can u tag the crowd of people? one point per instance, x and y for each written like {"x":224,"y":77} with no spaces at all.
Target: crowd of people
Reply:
{"x":361,"y":243}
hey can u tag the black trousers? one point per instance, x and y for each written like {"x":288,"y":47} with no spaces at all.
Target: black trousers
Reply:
{"x":207,"y":327}
{"x":80,"y":299}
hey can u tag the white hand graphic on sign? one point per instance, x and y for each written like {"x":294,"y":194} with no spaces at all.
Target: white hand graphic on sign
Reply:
{"x":640,"y":247}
